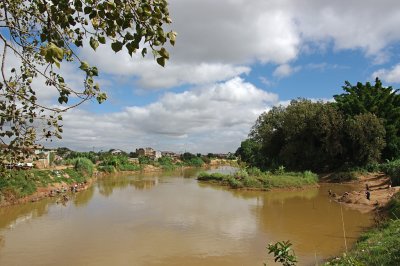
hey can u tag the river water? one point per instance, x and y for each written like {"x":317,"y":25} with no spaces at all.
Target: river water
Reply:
{"x":171,"y":219}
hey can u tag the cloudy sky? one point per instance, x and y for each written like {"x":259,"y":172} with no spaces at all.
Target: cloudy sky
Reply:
{"x":233,"y":60}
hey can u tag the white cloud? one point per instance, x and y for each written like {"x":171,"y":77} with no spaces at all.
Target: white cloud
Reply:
{"x":218,"y":40}
{"x":285,"y":70}
{"x":389,"y":75}
{"x":151,"y":75}
{"x":213,"y":118}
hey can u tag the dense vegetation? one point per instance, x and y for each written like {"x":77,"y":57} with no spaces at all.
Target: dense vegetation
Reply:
{"x":254,"y":178}
{"x":17,"y":184}
{"x":111,"y":163}
{"x":361,"y":127}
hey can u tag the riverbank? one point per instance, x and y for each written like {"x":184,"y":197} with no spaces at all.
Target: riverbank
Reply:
{"x":22,"y":186}
{"x":379,"y":245}
{"x":379,"y":187}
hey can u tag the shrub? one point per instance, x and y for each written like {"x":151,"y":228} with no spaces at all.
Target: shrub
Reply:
{"x":252,"y":183}
{"x":344,"y":176}
{"x":129,"y":167}
{"x":392,"y":169}
{"x":310,"y":176}
{"x":195,"y":161}
{"x":394,"y":206}
{"x":254,"y":171}
{"x":283,"y":253}
{"x":234,"y":183}
{"x":84,"y":166}
{"x":204,"y":176}
{"x":106,"y":168}
{"x":241,"y":174}
{"x":280,"y":170}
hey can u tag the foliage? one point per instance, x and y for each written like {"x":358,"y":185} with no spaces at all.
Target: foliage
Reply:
{"x":166,"y":163}
{"x":145,"y":160}
{"x":110,"y":163}
{"x":384,"y":102}
{"x":89,"y":155}
{"x":256,"y":179}
{"x":365,"y":134}
{"x":313,"y":135}
{"x":392,"y":169}
{"x":20,"y":183}
{"x":249,"y":152}
{"x":191,"y":159}
{"x":343,"y":176}
{"x":106,"y":168}
{"x":379,"y":246}
{"x":84,"y":166}
{"x":44,"y":36}
{"x":129,"y":167}
{"x":393,"y":206}
{"x":283,"y":253}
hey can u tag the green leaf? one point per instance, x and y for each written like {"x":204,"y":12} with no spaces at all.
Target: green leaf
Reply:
{"x":144,"y":51}
{"x":84,"y":66}
{"x":161,"y":61}
{"x":172,"y":37}
{"x":164,"y":53}
{"x":102,"y":39}
{"x":94,"y":43}
{"x":116,"y":46}
{"x":87,"y":10}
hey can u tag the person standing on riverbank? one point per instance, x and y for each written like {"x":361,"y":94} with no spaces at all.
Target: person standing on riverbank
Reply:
{"x":368,"y":194}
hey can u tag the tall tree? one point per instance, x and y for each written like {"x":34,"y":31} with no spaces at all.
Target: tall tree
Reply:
{"x":384,"y":102}
{"x":365,"y":136}
{"x":44,"y":35}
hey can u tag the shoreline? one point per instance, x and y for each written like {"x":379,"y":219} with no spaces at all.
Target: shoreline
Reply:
{"x":380,"y":192}
{"x":45,"y":192}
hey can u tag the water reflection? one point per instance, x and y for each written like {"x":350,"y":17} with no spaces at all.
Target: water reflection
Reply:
{"x":83,"y":198}
{"x":14,"y":215}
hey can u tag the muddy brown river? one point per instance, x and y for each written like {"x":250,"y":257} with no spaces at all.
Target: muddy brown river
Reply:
{"x":171,"y":219}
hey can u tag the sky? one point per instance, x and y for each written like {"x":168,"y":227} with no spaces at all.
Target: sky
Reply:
{"x":233,"y":60}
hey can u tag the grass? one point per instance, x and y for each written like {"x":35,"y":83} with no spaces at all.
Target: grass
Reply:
{"x":255,"y":179}
{"x":20,"y":183}
{"x":378,"y":246}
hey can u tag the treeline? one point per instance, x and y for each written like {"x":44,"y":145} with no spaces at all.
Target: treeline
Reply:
{"x":362,"y":126}
{"x":106,"y":161}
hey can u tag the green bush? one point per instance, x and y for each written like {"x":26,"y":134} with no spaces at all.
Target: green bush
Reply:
{"x":251,"y":183}
{"x":84,"y":166}
{"x":166,"y":163}
{"x":254,"y":171}
{"x":261,"y":180}
{"x":310,"y":176}
{"x":394,"y":206}
{"x":106,"y":168}
{"x":129,"y":167}
{"x":195,"y":161}
{"x":392,"y":169}
{"x":204,"y":176}
{"x":344,"y":176}
{"x":234,"y":183}
{"x":241,"y":174}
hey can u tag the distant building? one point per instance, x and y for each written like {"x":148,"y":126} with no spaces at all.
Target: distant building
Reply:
{"x":116,"y":152}
{"x":149,"y":152}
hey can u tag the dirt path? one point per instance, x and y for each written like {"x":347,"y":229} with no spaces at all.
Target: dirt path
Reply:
{"x":379,"y":188}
